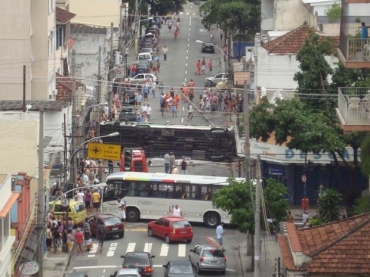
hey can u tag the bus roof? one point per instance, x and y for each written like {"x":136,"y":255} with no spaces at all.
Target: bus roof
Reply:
{"x":170,"y":178}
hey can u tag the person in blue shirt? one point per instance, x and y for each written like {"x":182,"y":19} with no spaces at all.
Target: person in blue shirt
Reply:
{"x":220,"y":232}
{"x":364,"y":32}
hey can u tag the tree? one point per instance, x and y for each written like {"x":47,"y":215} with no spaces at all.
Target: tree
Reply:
{"x":276,"y":195}
{"x":329,"y":206}
{"x":365,"y":156}
{"x":362,"y":204}
{"x":334,"y":13}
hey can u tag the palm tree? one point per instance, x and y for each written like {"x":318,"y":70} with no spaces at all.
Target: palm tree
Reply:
{"x":329,"y":206}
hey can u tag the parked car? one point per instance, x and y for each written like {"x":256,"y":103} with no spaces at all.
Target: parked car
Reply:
{"x":208,"y":47}
{"x":145,"y":56}
{"x":127,"y":113}
{"x":171,"y":228}
{"x":214,"y":80}
{"x":143,"y":66}
{"x":77,"y":211}
{"x":142,"y":77}
{"x":126,"y":272}
{"x":147,"y":50}
{"x":208,"y":258}
{"x":178,"y":268}
{"x":143,"y":261}
{"x":113,"y":224}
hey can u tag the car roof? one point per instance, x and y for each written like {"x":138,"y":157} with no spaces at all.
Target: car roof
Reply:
{"x":103,"y":216}
{"x":206,"y":247}
{"x":137,"y":254}
{"x":127,"y":271}
{"x":180,"y":262}
{"x":173,"y":218}
{"x":208,"y":42}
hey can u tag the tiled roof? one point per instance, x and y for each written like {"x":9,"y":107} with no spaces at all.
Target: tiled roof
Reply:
{"x":66,"y":82}
{"x":86,"y":29}
{"x":17,"y":105}
{"x":294,"y":241}
{"x":286,"y":254}
{"x":63,"y":15}
{"x":292,"y":42}
{"x":350,"y":254}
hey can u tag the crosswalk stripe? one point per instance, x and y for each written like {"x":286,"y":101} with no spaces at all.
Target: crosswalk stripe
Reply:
{"x":94,"y":248}
{"x":164,"y":250}
{"x":182,"y":250}
{"x":148,"y":247}
{"x":131,"y":247}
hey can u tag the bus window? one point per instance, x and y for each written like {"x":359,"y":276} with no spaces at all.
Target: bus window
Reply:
{"x":209,"y":193}
{"x":162,"y":190}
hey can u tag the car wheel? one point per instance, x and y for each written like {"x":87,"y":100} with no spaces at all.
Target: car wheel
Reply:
{"x":150,"y":232}
{"x":121,"y":235}
{"x":133,"y":214}
{"x":189,"y":240}
{"x":199,"y":271}
{"x":223,"y":272}
{"x":167,"y":239}
{"x":212,"y":219}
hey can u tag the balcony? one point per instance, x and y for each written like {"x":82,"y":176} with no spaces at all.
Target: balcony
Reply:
{"x":353,"y":109}
{"x":357,"y":1}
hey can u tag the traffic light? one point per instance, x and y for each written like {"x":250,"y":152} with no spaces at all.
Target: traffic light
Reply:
{"x":127,"y":163}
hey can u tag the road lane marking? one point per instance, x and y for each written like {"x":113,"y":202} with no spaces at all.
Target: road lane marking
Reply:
{"x":94,"y":248}
{"x":110,"y":253}
{"x":190,"y":21}
{"x":182,"y":250}
{"x":164,"y":250}
{"x":131,"y":247}
{"x":148,"y":247}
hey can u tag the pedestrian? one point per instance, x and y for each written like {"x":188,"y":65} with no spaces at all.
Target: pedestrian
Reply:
{"x":79,"y":240}
{"x":178,"y":25}
{"x":175,"y":34}
{"x":160,"y":87}
{"x":49,"y":238}
{"x":154,"y":86}
{"x":305,"y":217}
{"x":219,"y":66}
{"x":175,"y":210}
{"x":88,"y":200}
{"x":190,"y":112}
{"x":139,"y":99}
{"x":110,"y":166}
{"x":101,"y":235}
{"x":172,"y":160}
{"x":167,"y":163}
{"x":165,"y":51}
{"x":69,"y":240}
{"x":364,"y":33}
{"x":210,"y":64}
{"x":203,"y":69}
{"x":148,"y":112}
{"x":220,"y":232}
{"x":121,"y":208}
{"x":198,"y":65}
{"x":161,"y":103}
{"x":211,"y":35}
{"x":96,"y":201}
{"x":290,"y":217}
{"x":183,"y":166}
{"x":169,"y":24}
{"x":80,"y":197}
{"x":173,"y":107}
{"x":100,"y":171}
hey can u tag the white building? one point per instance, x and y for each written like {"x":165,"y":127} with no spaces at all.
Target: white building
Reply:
{"x":7,"y":199}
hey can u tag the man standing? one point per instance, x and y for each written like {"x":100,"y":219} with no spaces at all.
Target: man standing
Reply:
{"x":154,"y":86}
{"x":176,"y":211}
{"x":165,"y":51}
{"x":79,"y":240}
{"x":172,"y":160}
{"x":101,"y":236}
{"x":220,"y":232}
{"x":148,"y":112}
{"x":96,"y":201}
{"x":183,"y":166}
{"x":167,"y":163}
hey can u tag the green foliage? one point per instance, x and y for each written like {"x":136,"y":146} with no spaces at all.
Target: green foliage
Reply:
{"x":328,"y":204}
{"x":315,"y":221}
{"x":365,"y":156}
{"x":362,"y":204}
{"x":334,"y":13}
{"x":236,"y":199}
{"x":276,"y":195}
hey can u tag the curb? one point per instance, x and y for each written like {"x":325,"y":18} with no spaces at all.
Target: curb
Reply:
{"x":243,"y":270}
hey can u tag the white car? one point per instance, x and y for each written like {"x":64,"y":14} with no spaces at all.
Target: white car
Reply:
{"x":213,"y":81}
{"x":142,"y":77}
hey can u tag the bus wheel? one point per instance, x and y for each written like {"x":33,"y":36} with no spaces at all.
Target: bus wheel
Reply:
{"x":212,"y":219}
{"x":133,"y":214}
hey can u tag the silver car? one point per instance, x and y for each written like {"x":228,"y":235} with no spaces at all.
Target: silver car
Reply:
{"x":126,"y":272}
{"x":213,"y":81}
{"x":208,"y":258}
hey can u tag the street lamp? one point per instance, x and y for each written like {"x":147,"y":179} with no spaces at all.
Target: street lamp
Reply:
{"x":73,"y":176}
{"x":222,"y":51}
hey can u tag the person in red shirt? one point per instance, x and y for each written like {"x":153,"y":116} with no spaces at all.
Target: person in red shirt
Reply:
{"x":79,"y":240}
{"x":176,"y":33}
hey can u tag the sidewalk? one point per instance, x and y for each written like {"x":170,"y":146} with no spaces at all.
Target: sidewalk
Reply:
{"x":55,"y":264}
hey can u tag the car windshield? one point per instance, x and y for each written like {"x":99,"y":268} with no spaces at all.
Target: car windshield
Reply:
{"x":112,"y":221}
{"x":185,"y":269}
{"x":213,"y":253}
{"x":78,"y":208}
{"x":136,"y":260}
{"x":180,"y":224}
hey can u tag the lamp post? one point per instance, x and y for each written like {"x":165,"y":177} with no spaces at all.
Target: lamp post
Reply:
{"x":222,"y":51}
{"x":72,"y":160}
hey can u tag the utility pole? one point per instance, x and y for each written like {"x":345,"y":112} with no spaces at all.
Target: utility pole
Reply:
{"x":99,"y":78}
{"x":257,"y":223}
{"x":74,"y":113}
{"x":65,"y":162}
{"x":277,"y":267}
{"x":111,"y":64}
{"x":24,"y":89}
{"x":257,"y":44}
{"x":138,"y":23}
{"x":40,"y":196}
{"x":247,"y":144}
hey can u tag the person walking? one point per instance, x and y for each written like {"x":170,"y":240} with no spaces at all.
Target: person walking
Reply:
{"x":210,"y":64}
{"x":190,"y":112}
{"x":110,"y":166}
{"x":79,"y":240}
{"x":161,"y":103}
{"x":198,"y":65}
{"x":101,"y":236}
{"x":148,"y":112}
{"x":175,"y":34}
{"x":290,"y":217}
{"x":154,"y":86}
{"x":164,"y":51}
{"x":184,"y":165}
{"x":176,"y":211}
{"x":167,"y":163}
{"x":160,"y":87}
{"x":172,"y":160}
{"x":96,"y":201}
{"x":220,"y":232}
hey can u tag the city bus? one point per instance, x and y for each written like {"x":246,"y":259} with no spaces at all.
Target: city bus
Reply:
{"x":150,"y":195}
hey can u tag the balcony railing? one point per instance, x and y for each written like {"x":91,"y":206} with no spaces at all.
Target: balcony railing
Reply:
{"x":354,"y":105}
{"x":355,"y":49}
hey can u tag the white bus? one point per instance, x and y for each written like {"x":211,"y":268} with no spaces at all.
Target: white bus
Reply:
{"x":149,"y":195}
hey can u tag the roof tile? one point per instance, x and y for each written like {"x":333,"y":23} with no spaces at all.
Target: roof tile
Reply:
{"x":63,"y":15}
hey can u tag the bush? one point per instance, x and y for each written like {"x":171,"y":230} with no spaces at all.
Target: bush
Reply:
{"x":334,"y":13}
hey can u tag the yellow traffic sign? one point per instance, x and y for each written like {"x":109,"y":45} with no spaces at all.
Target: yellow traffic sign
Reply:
{"x":103,"y":151}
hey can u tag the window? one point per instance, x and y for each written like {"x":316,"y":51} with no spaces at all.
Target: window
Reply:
{"x":59,"y":37}
{"x":51,"y":6}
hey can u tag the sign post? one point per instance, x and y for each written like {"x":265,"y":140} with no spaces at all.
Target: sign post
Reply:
{"x":103,"y":151}
{"x":305,"y":199}
{"x":65,"y":205}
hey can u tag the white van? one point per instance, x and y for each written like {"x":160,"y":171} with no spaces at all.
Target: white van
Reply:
{"x":145,"y":56}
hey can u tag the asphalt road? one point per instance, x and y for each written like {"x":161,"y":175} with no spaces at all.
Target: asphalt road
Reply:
{"x":180,"y":67}
{"x":96,"y":264}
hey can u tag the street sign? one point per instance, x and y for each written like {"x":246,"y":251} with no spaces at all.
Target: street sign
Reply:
{"x":65,"y":203}
{"x":103,"y":151}
{"x":304,"y":178}
{"x":119,"y":72}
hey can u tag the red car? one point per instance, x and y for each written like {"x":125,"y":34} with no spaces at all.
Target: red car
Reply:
{"x":113,"y":225}
{"x":171,"y":228}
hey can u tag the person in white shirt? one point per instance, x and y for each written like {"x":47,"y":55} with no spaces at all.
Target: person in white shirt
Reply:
{"x":148,"y":112}
{"x":121,"y":208}
{"x":80,"y":197}
{"x":220,"y":232}
{"x":305,"y":217}
{"x":176,"y":211}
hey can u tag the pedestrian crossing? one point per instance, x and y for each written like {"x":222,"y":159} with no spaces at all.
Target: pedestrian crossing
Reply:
{"x":161,"y":250}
